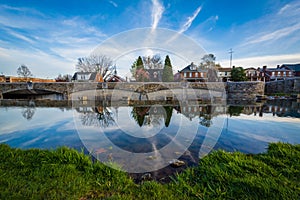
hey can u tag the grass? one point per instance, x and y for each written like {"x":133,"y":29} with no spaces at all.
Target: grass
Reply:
{"x":68,"y":174}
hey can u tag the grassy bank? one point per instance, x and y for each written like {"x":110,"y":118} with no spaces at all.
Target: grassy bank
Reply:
{"x":68,"y":174}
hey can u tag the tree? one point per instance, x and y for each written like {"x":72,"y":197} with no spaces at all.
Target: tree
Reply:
{"x":63,"y":78}
{"x":24,"y":71}
{"x":168,"y":72}
{"x":208,"y":61}
{"x":238,"y":74}
{"x":138,"y":71}
{"x":139,"y":63}
{"x":154,"y":62}
{"x":96,"y":63}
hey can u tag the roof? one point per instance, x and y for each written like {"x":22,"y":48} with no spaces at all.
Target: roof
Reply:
{"x":295,"y":67}
{"x":92,"y":75}
{"x":277,"y":69}
{"x":120,"y":79}
{"x":192,"y":68}
{"x":224,"y":69}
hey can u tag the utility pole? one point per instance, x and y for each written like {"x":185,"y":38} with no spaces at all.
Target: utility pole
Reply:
{"x":230,"y":52}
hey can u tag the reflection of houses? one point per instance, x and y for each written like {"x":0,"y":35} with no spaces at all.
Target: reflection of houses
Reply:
{"x":279,"y":73}
{"x":87,"y":77}
{"x":193,"y":73}
{"x":255,"y":74}
{"x":224,"y":74}
{"x":294,"y":67}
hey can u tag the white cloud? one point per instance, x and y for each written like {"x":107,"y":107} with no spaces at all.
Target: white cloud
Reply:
{"x":157,"y":11}
{"x":274,"y":35}
{"x":113,"y":3}
{"x":190,"y":20}
{"x":259,"y":61}
{"x":283,"y":9}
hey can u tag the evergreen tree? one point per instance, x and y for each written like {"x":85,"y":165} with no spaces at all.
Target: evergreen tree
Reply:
{"x":139,"y":63}
{"x":138,"y":70}
{"x":167,"y":71}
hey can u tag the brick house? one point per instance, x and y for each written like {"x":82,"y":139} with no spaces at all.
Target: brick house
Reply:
{"x":193,"y":73}
{"x":279,"y":73}
{"x":294,"y":67}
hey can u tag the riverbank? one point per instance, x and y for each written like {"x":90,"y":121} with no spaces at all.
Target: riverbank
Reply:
{"x":67,"y":174}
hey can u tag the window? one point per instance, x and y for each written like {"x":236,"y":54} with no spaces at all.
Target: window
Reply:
{"x":201,"y":74}
{"x":184,"y":74}
{"x":284,"y":73}
{"x":273,"y":73}
{"x":225,"y":73}
{"x":196,"y":74}
{"x":290,"y":73}
{"x":191,"y":74}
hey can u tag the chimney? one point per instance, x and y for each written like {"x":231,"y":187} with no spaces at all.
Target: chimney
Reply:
{"x":264,"y":68}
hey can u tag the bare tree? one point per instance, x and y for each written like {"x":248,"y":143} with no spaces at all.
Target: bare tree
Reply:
{"x":24,"y":71}
{"x":96,"y":63}
{"x":154,"y":62}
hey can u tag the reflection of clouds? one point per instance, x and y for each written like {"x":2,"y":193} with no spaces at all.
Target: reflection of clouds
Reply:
{"x":13,"y":121}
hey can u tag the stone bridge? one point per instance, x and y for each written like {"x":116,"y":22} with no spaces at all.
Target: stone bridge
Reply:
{"x":136,"y":90}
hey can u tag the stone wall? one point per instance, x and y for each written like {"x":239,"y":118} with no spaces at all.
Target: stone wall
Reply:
{"x":244,"y":90}
{"x":288,"y":86}
{"x":235,"y":90}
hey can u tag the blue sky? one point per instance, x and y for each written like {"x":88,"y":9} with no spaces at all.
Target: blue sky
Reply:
{"x":48,"y":36}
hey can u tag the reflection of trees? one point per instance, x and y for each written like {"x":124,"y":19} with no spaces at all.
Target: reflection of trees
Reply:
{"x":152,"y":115}
{"x":169,"y":111}
{"x":28,"y":112}
{"x":235,"y":110}
{"x":205,"y":117}
{"x":139,"y":113}
{"x":99,"y":116}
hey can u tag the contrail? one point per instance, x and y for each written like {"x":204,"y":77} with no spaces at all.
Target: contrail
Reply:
{"x":190,"y":20}
{"x":157,"y":11}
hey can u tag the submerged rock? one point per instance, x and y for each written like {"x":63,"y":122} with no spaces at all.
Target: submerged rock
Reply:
{"x":176,"y":163}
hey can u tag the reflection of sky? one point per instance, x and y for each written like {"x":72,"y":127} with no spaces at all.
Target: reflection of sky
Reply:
{"x":251,"y":134}
{"x":48,"y":128}
{"x":52,"y":127}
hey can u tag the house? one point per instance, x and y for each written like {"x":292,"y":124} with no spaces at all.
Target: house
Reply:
{"x":193,"y":73}
{"x":274,"y":74}
{"x":224,"y":74}
{"x":115,"y":78}
{"x":14,"y":79}
{"x":155,"y":75}
{"x":254,"y":74}
{"x":87,"y":77}
{"x":2,"y":79}
{"x":294,"y":67}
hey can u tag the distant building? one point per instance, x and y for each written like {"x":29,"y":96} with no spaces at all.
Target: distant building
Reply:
{"x":115,"y":78}
{"x":14,"y":79}
{"x":254,"y":74}
{"x":294,"y":67}
{"x":279,"y":73}
{"x":193,"y":73}
{"x":155,"y":75}
{"x":224,"y":74}
{"x":2,"y":78}
{"x":87,"y":77}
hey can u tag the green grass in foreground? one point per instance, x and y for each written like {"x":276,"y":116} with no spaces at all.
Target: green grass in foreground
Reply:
{"x":68,"y":174}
